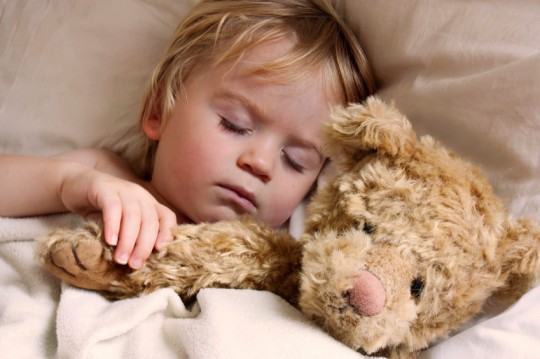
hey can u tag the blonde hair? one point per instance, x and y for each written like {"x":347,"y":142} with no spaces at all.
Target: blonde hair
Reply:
{"x":223,"y":30}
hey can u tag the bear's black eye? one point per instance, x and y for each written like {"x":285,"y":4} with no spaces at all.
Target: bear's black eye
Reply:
{"x":417,"y":287}
{"x":368,"y":228}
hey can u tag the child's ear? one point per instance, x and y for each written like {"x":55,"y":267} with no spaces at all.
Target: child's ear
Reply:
{"x":152,"y":127}
{"x":151,"y":124}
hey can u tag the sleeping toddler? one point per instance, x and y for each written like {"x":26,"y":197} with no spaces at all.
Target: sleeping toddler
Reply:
{"x":232,"y":120}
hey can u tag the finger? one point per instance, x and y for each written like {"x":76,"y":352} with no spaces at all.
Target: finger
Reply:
{"x":167,"y":221}
{"x":129,"y":231}
{"x":146,"y":239}
{"x":112,"y":216}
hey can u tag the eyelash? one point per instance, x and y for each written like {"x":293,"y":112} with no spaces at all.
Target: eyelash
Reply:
{"x":295,"y":166}
{"x":231,"y":127}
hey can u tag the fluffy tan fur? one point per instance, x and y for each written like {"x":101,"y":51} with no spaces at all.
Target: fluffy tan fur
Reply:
{"x":423,"y":221}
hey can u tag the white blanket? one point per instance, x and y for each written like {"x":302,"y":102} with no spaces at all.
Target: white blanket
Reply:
{"x":43,"y":318}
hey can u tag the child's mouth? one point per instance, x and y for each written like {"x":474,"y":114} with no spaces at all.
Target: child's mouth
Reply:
{"x":240,"y":197}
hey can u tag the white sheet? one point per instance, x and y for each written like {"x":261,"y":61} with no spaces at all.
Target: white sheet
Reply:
{"x":513,"y":333}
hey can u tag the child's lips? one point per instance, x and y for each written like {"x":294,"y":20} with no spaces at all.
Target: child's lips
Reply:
{"x":240,"y":197}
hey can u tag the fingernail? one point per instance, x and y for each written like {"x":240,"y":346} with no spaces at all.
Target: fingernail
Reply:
{"x":135,"y":263}
{"x":113,"y":240}
{"x":122,"y":258}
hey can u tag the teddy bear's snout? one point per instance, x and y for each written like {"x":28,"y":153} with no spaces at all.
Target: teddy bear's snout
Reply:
{"x":367,"y":295}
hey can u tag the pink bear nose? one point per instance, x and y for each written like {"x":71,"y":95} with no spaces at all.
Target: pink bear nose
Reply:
{"x":367,"y":295}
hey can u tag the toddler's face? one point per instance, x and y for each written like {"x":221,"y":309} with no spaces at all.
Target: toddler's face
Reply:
{"x":237,"y":144}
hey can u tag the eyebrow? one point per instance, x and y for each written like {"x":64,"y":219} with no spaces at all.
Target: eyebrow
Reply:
{"x":254,"y":109}
{"x":257,"y":112}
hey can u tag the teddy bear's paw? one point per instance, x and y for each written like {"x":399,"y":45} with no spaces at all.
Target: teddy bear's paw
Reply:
{"x":79,"y":257}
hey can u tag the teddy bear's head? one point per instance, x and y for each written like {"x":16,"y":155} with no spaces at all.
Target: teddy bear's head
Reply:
{"x":409,"y":241}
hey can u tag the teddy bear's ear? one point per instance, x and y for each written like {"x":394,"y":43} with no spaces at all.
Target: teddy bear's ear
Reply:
{"x":519,"y":254}
{"x":373,"y":126}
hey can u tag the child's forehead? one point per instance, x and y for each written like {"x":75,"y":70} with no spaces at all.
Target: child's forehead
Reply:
{"x":240,"y":83}
{"x":268,"y":62}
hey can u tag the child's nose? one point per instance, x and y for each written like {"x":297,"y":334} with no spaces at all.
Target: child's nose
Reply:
{"x":258,"y":160}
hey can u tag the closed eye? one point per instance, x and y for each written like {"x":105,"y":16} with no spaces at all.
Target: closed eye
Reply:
{"x":293,"y":164}
{"x":231,"y":127}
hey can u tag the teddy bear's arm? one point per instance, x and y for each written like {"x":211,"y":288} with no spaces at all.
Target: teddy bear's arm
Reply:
{"x":235,"y":254}
{"x":80,"y":257}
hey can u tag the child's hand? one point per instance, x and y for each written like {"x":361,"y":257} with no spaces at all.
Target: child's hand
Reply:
{"x":134,"y":221}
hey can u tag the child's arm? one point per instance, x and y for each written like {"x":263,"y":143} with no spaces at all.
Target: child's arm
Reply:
{"x":87,"y":181}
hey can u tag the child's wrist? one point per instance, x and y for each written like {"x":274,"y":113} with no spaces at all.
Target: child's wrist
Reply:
{"x":69,"y":185}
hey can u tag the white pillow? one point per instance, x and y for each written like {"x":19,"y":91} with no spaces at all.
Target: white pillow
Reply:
{"x":468,"y":73}
{"x":73,"y":71}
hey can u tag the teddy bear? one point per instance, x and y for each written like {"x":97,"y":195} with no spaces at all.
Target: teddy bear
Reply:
{"x":405,"y":245}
